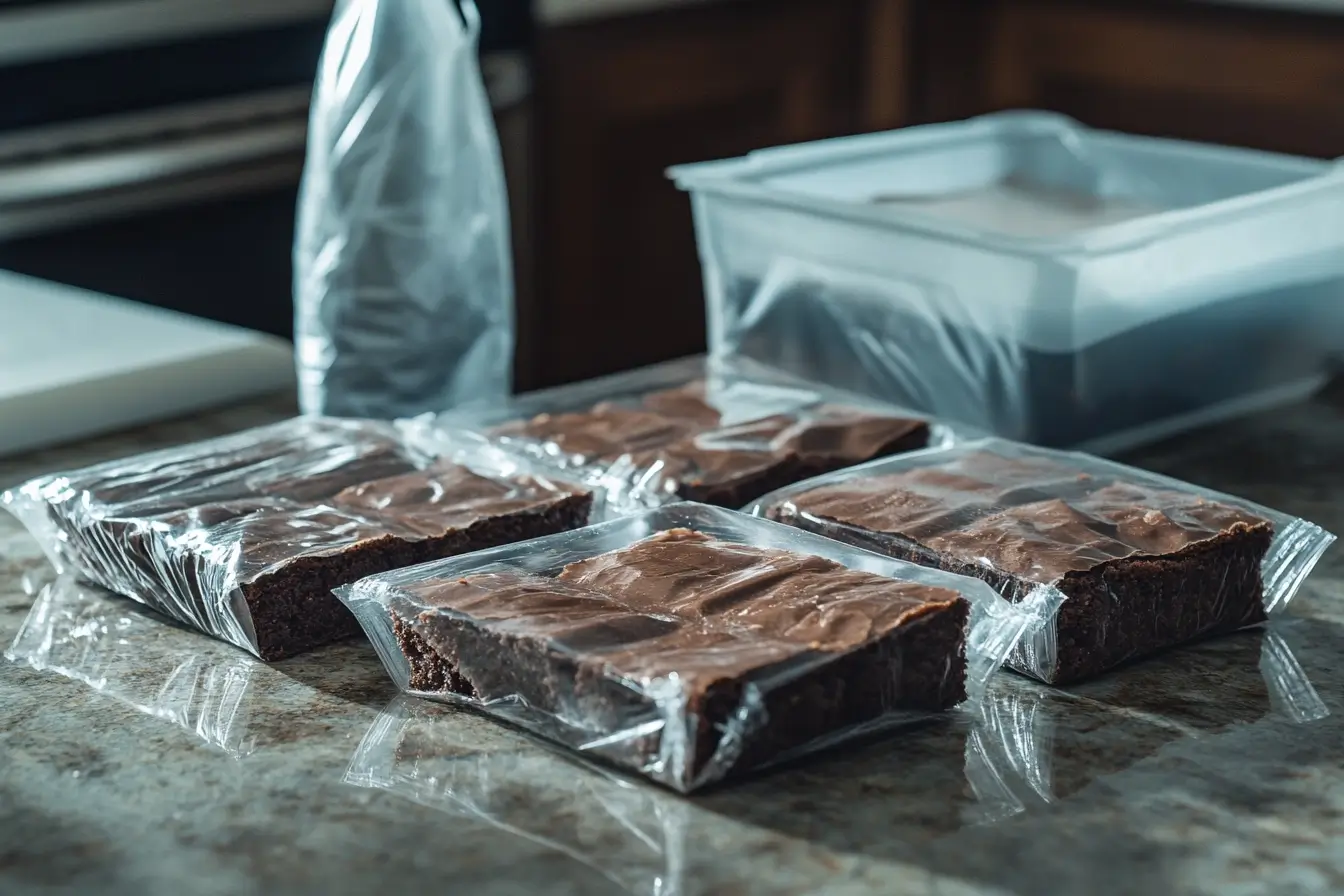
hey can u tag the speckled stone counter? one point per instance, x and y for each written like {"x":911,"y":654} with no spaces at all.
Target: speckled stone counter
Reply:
{"x":136,"y":757}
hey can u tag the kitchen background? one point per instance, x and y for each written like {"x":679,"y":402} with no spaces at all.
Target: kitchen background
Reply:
{"x":151,"y":148}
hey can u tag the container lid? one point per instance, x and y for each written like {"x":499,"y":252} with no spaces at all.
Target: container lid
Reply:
{"x":1028,"y":181}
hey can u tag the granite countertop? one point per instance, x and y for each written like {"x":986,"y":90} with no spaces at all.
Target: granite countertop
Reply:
{"x":136,"y":757}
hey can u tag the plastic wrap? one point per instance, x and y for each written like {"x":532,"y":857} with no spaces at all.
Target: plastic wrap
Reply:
{"x":243,"y":537}
{"x":1008,"y":271}
{"x":923,"y":784}
{"x":1047,"y":745}
{"x":720,"y":433}
{"x":91,"y":636}
{"x":689,"y":643}
{"x":633,"y":835}
{"x":1138,"y":562}
{"x":403,"y":291}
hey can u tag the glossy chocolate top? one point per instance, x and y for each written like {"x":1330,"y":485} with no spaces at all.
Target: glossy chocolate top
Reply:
{"x":411,"y":506}
{"x":682,"y":602}
{"x":679,"y":434}
{"x":1034,"y":518}
{"x":299,"y":489}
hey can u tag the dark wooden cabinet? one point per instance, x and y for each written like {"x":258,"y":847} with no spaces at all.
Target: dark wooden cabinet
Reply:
{"x":1201,"y":71}
{"x":617,"y":282}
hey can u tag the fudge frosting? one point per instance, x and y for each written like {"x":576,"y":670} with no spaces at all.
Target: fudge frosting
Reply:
{"x":684,"y":602}
{"x":1032,"y":518}
{"x":680,"y":435}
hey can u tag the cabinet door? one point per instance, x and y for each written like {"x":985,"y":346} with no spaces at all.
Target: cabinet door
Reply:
{"x":1271,"y":80}
{"x":618,"y":280}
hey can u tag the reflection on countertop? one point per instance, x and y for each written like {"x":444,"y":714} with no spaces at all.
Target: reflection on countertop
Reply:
{"x":115,"y":647}
{"x":139,"y":757}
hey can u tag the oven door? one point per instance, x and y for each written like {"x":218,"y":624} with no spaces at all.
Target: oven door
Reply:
{"x":161,"y":161}
{"x":155,"y":148}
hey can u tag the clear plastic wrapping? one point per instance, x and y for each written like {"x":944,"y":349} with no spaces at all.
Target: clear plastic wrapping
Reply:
{"x":88,"y":635}
{"x":425,"y":752}
{"x":690,"y":643}
{"x":922,"y":783}
{"x":243,"y":537}
{"x":717,"y":432}
{"x":1046,"y":744}
{"x":403,"y":289}
{"x":1137,"y":562}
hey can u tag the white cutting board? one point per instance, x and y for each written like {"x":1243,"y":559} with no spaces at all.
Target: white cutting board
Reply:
{"x":75,"y":363}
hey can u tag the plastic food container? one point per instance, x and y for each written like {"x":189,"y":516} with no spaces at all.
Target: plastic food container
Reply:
{"x":1024,"y":274}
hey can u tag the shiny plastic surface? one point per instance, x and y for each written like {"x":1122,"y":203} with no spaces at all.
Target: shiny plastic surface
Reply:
{"x":403,"y":290}
{"x":719,"y":433}
{"x":1138,"y":562}
{"x":268,"y":520}
{"x":112,"y":646}
{"x":1028,"y":276}
{"x":690,"y":643}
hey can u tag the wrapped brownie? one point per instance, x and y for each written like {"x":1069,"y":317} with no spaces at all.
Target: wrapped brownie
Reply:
{"x":1139,"y":562}
{"x":690,"y":643}
{"x":716,"y":432}
{"x":244,"y":537}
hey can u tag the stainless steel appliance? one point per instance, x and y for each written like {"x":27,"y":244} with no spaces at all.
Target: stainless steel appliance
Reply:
{"x":152,"y":148}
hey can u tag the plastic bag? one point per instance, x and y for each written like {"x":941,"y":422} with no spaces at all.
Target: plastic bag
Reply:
{"x":466,"y":766}
{"x":403,"y":288}
{"x":243,"y":537}
{"x":690,"y":643}
{"x":1138,"y":562}
{"x":720,"y":433}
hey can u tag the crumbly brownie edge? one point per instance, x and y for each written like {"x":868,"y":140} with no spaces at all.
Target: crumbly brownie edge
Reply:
{"x":566,"y":698}
{"x":1128,"y":609}
{"x":918,"y":667}
{"x":294,"y":610}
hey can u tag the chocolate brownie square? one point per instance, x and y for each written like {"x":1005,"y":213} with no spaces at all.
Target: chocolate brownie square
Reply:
{"x":676,"y":444}
{"x":1141,"y":567}
{"x":741,"y":653}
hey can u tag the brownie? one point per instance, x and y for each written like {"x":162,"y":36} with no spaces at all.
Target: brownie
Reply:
{"x":697,"y":455}
{"x":246,"y":542}
{"x":741,"y":653}
{"x":1140,"y":567}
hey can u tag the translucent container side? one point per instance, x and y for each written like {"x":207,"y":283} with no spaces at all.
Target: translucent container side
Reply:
{"x":1103,"y":350}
